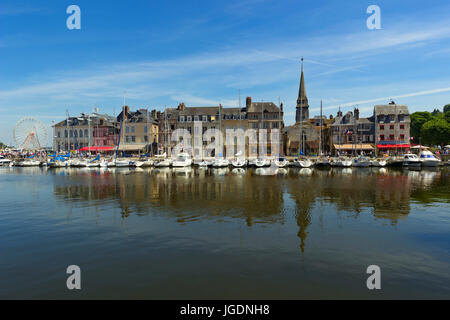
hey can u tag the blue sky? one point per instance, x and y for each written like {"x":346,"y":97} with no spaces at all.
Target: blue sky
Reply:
{"x":203,"y":52}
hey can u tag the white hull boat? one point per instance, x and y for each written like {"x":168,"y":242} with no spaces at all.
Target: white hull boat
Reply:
{"x":379,"y":163}
{"x":261,"y":163}
{"x":281,"y":163}
{"x":303,"y":163}
{"x":29,"y":163}
{"x":411,"y":161}
{"x":428,"y":159}
{"x":239,"y":163}
{"x":165,"y":163}
{"x":362,"y":163}
{"x":221,"y":163}
{"x":183,"y":160}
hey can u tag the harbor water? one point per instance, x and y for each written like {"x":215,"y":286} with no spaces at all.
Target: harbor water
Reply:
{"x":224,"y":234}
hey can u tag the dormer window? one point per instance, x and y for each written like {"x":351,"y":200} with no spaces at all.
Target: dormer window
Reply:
{"x":205,"y":118}
{"x":181,"y":118}
{"x":189,"y":119}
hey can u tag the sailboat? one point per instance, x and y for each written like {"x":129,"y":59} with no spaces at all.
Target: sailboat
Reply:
{"x":239,"y":162}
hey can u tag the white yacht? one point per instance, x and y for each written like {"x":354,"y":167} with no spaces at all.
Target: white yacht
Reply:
{"x":428,"y":159}
{"x":182,"y":160}
{"x":344,"y":163}
{"x":4,"y":161}
{"x":411,"y":161}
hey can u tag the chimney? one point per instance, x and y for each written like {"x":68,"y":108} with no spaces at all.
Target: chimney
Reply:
{"x":181,"y":107}
{"x":357,"y":114}
{"x":248,"y":102}
{"x":281,"y":107}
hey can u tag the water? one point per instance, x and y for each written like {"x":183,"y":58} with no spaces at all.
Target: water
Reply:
{"x":217,"y":234}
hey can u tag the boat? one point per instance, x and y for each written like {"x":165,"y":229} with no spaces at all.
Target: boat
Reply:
{"x":239,"y":163}
{"x":58,"y":164}
{"x":303,"y":163}
{"x":123,"y":163}
{"x":323,"y":162}
{"x":220,"y":163}
{"x":281,"y":162}
{"x":162,"y":161}
{"x":428,"y":159}
{"x":411,"y":161}
{"x":361,"y":162}
{"x":29,"y":163}
{"x":4,"y":161}
{"x":182,"y":160}
{"x":261,"y":163}
{"x":378,"y":163}
{"x":146,"y":164}
{"x":344,"y":163}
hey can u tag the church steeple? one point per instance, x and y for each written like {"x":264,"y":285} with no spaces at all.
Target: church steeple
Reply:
{"x":302,"y":113}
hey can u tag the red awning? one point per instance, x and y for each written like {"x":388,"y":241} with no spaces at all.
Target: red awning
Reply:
{"x":96,"y":149}
{"x":394,"y":146}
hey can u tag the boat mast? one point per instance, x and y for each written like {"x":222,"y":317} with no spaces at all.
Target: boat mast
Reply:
{"x":320,"y":138}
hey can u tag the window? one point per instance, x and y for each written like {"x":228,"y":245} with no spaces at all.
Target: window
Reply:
{"x":189,"y":119}
{"x":132,"y":129}
{"x":205,"y":118}
{"x":196,"y":118}
{"x":59,"y":135}
{"x":381,"y":127}
{"x":182,"y":119}
{"x":146,"y":138}
{"x":127,"y":129}
{"x":81,"y":133}
{"x":65,"y":134}
{"x":382,"y":137}
{"x":392,"y":137}
{"x":86,"y":133}
{"x":133,"y":139}
{"x":127,"y":138}
{"x":392,"y":127}
{"x":145,"y":129}
{"x":402,"y":127}
{"x":76,"y":133}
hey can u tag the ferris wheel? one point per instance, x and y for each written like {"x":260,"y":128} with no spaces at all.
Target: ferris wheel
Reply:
{"x":30,"y":134}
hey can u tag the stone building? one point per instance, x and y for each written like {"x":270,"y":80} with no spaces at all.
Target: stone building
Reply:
{"x":140,"y":130}
{"x":202,"y":122}
{"x":392,"y":127}
{"x":351,"y":134}
{"x":75,"y":133}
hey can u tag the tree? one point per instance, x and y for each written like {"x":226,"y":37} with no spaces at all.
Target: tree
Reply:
{"x":3,"y":146}
{"x":446,"y":108}
{"x":436,"y":132}
{"x":418,"y":119}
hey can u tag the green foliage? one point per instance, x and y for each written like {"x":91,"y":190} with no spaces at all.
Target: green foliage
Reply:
{"x":2,"y":145}
{"x":431,"y":128}
{"x":436,"y":132}
{"x":418,"y":119}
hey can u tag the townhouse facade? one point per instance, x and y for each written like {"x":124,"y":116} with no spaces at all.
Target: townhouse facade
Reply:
{"x":392,"y":127}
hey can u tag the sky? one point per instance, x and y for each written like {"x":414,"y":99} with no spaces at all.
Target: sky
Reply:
{"x":202,"y":53}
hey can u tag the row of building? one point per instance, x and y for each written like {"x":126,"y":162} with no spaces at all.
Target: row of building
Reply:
{"x":144,"y":131}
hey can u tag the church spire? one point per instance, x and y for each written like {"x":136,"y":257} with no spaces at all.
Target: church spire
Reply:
{"x":302,"y":101}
